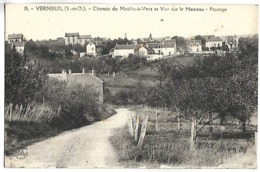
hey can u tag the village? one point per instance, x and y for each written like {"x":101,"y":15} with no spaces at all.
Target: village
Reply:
{"x":150,"y":48}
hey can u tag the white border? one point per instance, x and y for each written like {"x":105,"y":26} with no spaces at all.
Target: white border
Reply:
{"x":2,"y":24}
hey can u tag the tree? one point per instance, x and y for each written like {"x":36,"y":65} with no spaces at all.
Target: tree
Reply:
{"x":23,"y":79}
{"x":222,"y":85}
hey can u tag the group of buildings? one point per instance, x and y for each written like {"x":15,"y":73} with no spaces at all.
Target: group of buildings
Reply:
{"x":94,"y":46}
{"x":212,"y":43}
{"x":152,"y":48}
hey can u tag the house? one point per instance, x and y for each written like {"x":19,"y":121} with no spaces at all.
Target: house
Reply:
{"x":163,"y":48}
{"x":231,"y":42}
{"x":83,"y":78}
{"x":91,"y":49}
{"x":19,"y":47}
{"x":83,"y":39}
{"x":194,"y":45}
{"x":15,"y":38}
{"x":213,"y":42}
{"x":17,"y":42}
{"x":71,"y":38}
{"x":123,"y":50}
{"x":143,"y":50}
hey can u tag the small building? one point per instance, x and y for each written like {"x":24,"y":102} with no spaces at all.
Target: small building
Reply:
{"x":91,"y":49}
{"x":164,"y":48}
{"x":71,"y":38}
{"x":87,"y":79}
{"x":194,"y":45}
{"x":19,"y":47}
{"x":83,"y":39}
{"x":15,"y":38}
{"x":213,"y":42}
{"x":124,"y":50}
{"x":100,"y":49}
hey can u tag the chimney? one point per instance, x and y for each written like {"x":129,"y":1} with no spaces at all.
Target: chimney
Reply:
{"x":70,"y":72}
{"x":83,"y":71}
{"x":93,"y":72}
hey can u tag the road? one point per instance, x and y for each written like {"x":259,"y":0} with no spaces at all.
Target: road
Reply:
{"x":86,"y":147}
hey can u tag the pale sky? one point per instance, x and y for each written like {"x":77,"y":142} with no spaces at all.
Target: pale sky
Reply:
{"x":38,"y":25}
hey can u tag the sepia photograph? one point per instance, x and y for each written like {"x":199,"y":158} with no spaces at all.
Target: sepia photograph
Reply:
{"x":130,"y":86}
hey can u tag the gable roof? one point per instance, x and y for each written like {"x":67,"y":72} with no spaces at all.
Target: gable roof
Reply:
{"x":231,"y":40}
{"x":166,"y":44}
{"x":15,"y":36}
{"x":194,"y":41}
{"x":124,"y":47}
{"x":76,"y":34}
{"x":213,"y":39}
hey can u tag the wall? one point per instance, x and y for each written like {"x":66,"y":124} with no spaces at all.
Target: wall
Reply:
{"x":143,"y":51}
{"x":214,"y":44}
{"x":91,"y":49}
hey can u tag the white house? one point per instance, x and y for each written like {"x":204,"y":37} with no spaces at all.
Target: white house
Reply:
{"x":164,"y":48}
{"x":15,"y":38}
{"x":19,"y":47}
{"x":91,"y":49}
{"x":124,"y":50}
{"x":71,"y":38}
{"x":194,"y":45}
{"x":213,"y":42}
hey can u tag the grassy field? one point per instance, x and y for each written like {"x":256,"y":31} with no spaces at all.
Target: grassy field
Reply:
{"x":145,"y":75}
{"x":167,"y":147}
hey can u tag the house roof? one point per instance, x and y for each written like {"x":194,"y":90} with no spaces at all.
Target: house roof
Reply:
{"x":76,"y":34}
{"x":194,"y":41}
{"x":154,"y":45}
{"x":166,"y":44}
{"x":214,"y":39}
{"x":15,"y":36}
{"x":18,"y":44}
{"x":84,"y":36}
{"x":124,"y":47}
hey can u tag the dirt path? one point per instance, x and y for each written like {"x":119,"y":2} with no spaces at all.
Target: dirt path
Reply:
{"x":87,"y":147}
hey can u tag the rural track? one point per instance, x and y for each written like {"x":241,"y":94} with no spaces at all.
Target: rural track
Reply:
{"x":86,"y":147}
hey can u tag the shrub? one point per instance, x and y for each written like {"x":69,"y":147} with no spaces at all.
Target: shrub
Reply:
{"x":76,"y":105}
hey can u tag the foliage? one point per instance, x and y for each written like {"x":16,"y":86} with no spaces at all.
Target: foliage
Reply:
{"x":224,"y":85}
{"x":23,"y":79}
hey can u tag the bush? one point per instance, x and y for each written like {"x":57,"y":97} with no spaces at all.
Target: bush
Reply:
{"x":77,"y":105}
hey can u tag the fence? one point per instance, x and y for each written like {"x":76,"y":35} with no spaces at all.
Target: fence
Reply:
{"x":28,"y":113}
{"x":137,"y":128}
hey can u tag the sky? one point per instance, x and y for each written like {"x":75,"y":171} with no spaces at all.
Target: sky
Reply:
{"x":39,"y":25}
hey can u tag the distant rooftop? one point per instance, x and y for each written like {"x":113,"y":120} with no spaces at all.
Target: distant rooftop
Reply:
{"x":84,"y":36}
{"x":15,"y":36}
{"x":213,"y":39}
{"x":76,"y":34}
{"x":120,"y":47}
